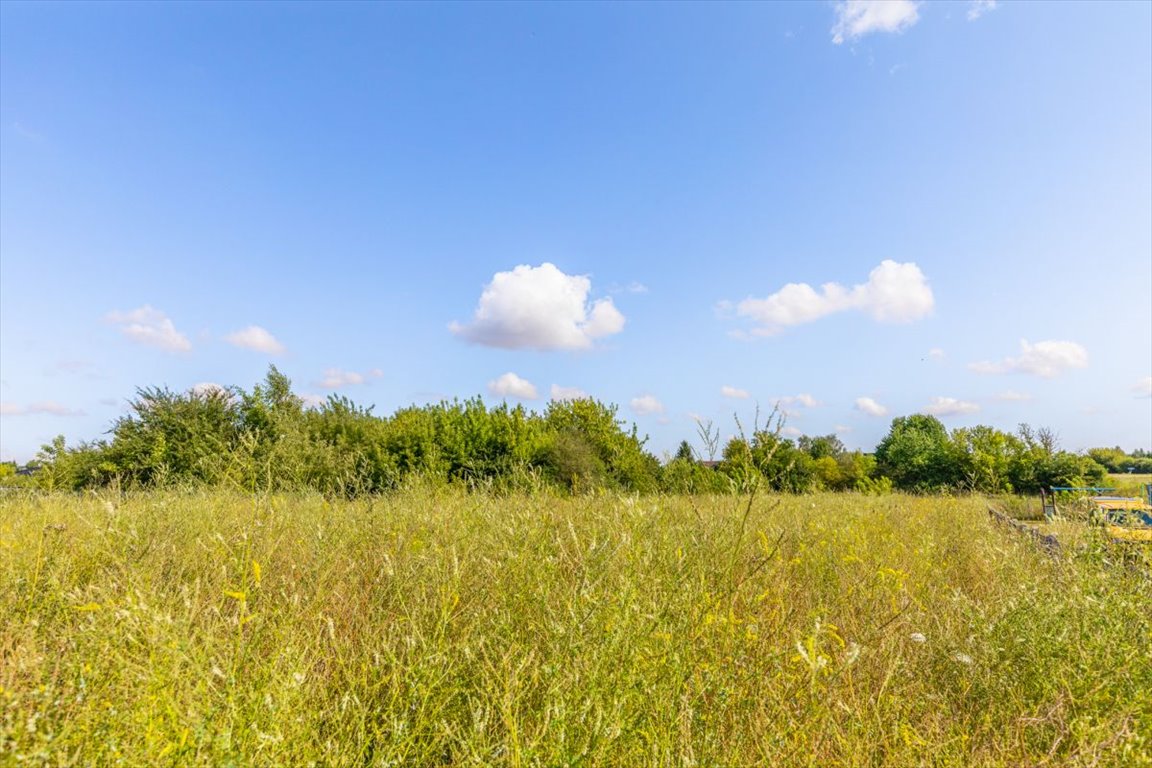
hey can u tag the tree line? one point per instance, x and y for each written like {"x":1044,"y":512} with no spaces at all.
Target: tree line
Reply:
{"x":266,"y":439}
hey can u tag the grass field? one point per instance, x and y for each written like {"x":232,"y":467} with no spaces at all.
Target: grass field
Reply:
{"x":437,"y":628}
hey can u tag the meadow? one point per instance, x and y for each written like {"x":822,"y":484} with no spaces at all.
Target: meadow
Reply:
{"x":436,"y":627}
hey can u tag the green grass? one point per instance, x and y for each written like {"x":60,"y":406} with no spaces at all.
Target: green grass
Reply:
{"x":436,"y":628}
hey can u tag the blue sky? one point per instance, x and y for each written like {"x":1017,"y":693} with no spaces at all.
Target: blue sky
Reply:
{"x":860,"y":210}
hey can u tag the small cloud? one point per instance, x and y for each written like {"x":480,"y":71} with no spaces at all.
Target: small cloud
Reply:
{"x":25,"y":132}
{"x":42,"y":408}
{"x":646,"y":404}
{"x":894,"y":293}
{"x":950,"y":406}
{"x":1143,"y":388}
{"x":857,"y":18}
{"x":936,"y":354}
{"x":109,"y":401}
{"x":567,"y":393}
{"x":1046,"y":359}
{"x":511,"y":385}
{"x":871,"y":407}
{"x":146,"y":325}
{"x":791,"y":432}
{"x":804,"y":400}
{"x":539,"y":308}
{"x":335,"y":378}
{"x":207,"y":389}
{"x":734,"y":392}
{"x":1012,"y":396}
{"x":311,"y":401}
{"x":256,"y":339}
{"x":842,"y":428}
{"x":977,"y":8}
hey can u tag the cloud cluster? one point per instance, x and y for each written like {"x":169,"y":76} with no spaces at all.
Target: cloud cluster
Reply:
{"x":646,"y":404}
{"x":539,"y":308}
{"x":256,"y":339}
{"x":335,"y":378}
{"x":44,"y":407}
{"x":950,"y":406}
{"x":511,"y":385}
{"x":150,"y":326}
{"x":857,"y":18}
{"x":1046,"y":359}
{"x":870,"y":407}
{"x":894,"y":293}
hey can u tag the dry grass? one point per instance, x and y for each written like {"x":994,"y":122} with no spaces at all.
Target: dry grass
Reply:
{"x":435,"y":628}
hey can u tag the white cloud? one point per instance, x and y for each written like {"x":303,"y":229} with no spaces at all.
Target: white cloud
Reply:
{"x":803,"y":399}
{"x":42,"y":408}
{"x":871,"y":407}
{"x":335,"y":378}
{"x":842,"y":428}
{"x":977,"y":8}
{"x":894,"y":293}
{"x":936,"y":354}
{"x":1012,"y":396}
{"x":950,"y":406}
{"x":645,"y":404}
{"x":310,"y":400}
{"x":539,"y":308}
{"x":257,"y":339}
{"x":150,"y":326}
{"x":856,"y":18}
{"x":791,"y":432}
{"x":1044,"y":358}
{"x":1143,"y":388}
{"x":511,"y":385}
{"x":206,"y":388}
{"x":567,"y":393}
{"x":734,"y":392}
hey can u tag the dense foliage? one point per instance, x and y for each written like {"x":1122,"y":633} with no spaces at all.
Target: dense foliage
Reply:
{"x":267,"y":440}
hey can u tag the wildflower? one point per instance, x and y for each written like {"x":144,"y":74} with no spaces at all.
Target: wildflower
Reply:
{"x":963,"y":658}
{"x":918,"y":637}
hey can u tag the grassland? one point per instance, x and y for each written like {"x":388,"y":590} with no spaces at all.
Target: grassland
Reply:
{"x":437,"y":628}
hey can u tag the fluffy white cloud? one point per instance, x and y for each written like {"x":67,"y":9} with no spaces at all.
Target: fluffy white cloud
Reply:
{"x":1044,"y":358}
{"x":734,"y":392}
{"x":150,"y":326}
{"x":1012,"y":396}
{"x":894,"y":293}
{"x":567,"y":393}
{"x":539,"y":308}
{"x":856,"y":18}
{"x":1143,"y":388}
{"x":255,"y":338}
{"x":44,"y":407}
{"x":950,"y":406}
{"x":978,"y":8}
{"x":646,"y":404}
{"x":511,"y":385}
{"x":871,"y":407}
{"x":936,"y":354}
{"x":335,"y":378}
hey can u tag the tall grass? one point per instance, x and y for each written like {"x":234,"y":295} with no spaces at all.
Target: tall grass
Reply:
{"x":437,"y":628}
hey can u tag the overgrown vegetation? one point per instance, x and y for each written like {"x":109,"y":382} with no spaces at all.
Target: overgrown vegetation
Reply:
{"x":436,"y":627}
{"x":267,"y":440}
